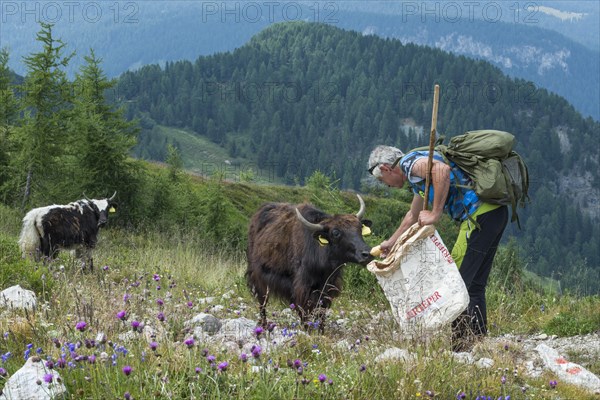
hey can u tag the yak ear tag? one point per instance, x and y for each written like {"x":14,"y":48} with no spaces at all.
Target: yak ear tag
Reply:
{"x":366,"y":231}
{"x":323,"y":241}
{"x":112,"y":210}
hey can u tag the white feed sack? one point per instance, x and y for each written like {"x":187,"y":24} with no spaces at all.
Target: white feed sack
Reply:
{"x":421,"y":281}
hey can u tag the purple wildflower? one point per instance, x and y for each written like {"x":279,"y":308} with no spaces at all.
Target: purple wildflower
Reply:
{"x":429,"y":393}
{"x":80,"y":326}
{"x":244,"y":357}
{"x":189,"y":342}
{"x":105,"y":268}
{"x":461,"y":395}
{"x":127,"y":370}
{"x":258,"y":331}
{"x":292,"y":306}
{"x":156,"y":277}
{"x":256,"y":350}
{"x":363,"y":368}
{"x":61,"y":363}
{"x":503,"y":380}
{"x":153,"y":346}
{"x":160,"y":302}
{"x":198,"y":370}
{"x":3,"y":372}
{"x":322,"y":378}
{"x":135,"y":325}
{"x":126,"y":297}
{"x":127,"y":396}
{"x":122,"y":315}
{"x":50,"y":364}
{"x":553,"y":384}
{"x":223,"y":366}
{"x":48,"y":378}
{"x":190,"y":304}
{"x":297,"y":363}
{"x":211,"y":359}
{"x":160,"y":316}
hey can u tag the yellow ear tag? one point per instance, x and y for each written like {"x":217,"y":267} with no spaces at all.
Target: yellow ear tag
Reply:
{"x":111,"y":210}
{"x":366,"y":231}
{"x":323,"y":241}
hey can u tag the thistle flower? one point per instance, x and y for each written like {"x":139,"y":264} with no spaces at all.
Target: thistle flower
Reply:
{"x":297,"y":363}
{"x":160,"y":316}
{"x":363,"y":368}
{"x":256,"y":350}
{"x":122,"y":315}
{"x":322,"y":378}
{"x":156,"y":277}
{"x":92,"y":359}
{"x":127,"y":370}
{"x":49,"y":364}
{"x":189,"y":342}
{"x":223,"y":366}
{"x":211,"y":359}
{"x":244,"y":357}
{"x":3,"y":372}
{"x":190,"y":304}
{"x":135,"y":325}
{"x":48,"y":378}
{"x":503,"y":380}
{"x":160,"y":302}
{"x":153,"y":346}
{"x":292,"y":306}
{"x":127,"y":396}
{"x":553,"y":384}
{"x":258,"y":331}
{"x":80,"y":326}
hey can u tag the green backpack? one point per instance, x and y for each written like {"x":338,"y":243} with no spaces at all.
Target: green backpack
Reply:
{"x":499,"y":174}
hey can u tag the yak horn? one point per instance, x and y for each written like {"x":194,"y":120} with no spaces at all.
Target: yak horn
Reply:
{"x":309,"y":225}
{"x":361,"y":211}
{"x":113,"y":196}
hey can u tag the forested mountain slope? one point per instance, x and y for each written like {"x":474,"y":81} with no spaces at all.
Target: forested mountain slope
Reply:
{"x":300,"y":97}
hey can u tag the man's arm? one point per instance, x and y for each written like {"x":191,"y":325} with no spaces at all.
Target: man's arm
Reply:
{"x":440,"y":178}
{"x":409,"y":219}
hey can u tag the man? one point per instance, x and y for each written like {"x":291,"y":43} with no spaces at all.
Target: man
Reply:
{"x":482,"y":225}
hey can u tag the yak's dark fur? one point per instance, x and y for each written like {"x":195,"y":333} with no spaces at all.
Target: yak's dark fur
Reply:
{"x":286,"y":260}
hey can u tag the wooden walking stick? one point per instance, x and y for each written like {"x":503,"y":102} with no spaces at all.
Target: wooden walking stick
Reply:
{"x":436,"y":100}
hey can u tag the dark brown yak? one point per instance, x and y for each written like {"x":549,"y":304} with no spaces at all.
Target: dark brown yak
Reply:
{"x":296,"y":252}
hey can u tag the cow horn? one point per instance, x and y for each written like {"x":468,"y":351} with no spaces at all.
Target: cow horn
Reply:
{"x":87,"y":198}
{"x":309,"y":225}
{"x":113,"y":196}
{"x":361,"y":211}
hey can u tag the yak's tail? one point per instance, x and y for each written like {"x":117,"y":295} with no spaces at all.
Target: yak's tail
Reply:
{"x":30,"y":241}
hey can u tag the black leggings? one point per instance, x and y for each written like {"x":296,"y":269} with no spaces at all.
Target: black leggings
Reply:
{"x":475,"y":270}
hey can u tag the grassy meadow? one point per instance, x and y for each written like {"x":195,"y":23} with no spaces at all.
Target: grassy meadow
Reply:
{"x":162,"y":277}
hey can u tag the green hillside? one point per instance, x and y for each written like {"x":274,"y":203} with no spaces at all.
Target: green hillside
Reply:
{"x":302,"y":97}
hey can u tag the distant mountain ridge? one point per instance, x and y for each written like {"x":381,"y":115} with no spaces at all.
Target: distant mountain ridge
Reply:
{"x":120,"y":32}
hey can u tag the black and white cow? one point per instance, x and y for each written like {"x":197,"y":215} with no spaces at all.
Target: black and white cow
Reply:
{"x":48,"y":229}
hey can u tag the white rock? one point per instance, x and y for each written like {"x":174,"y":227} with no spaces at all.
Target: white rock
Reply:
{"x":23,"y":383}
{"x":463,"y":357}
{"x":207,"y":322}
{"x":395,"y":353}
{"x":566,"y":370}
{"x":237,"y":329}
{"x":542,"y":336}
{"x":485,"y":363}
{"x":17,"y":297}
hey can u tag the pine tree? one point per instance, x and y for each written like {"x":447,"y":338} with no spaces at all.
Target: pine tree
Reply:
{"x":8,"y":112}
{"x":42,"y":136}
{"x":104,"y":138}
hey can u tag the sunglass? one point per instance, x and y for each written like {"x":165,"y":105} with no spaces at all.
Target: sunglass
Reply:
{"x":391,"y":167}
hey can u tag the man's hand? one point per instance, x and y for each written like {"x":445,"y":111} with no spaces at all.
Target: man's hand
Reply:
{"x":427,"y":217}
{"x":386,"y":246}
